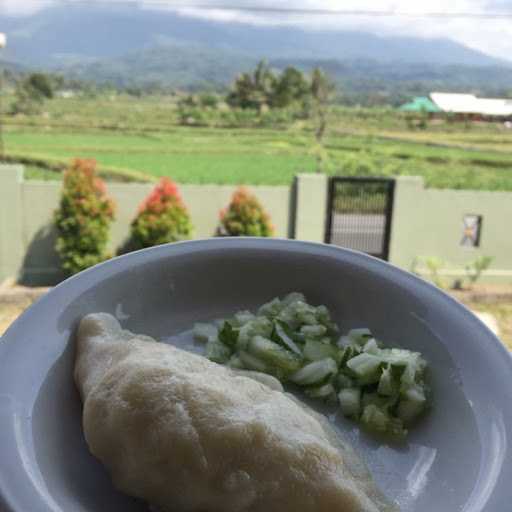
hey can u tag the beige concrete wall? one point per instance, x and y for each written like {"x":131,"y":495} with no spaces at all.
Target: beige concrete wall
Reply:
{"x":311,"y":205}
{"x":27,"y":235}
{"x":11,"y":225}
{"x":426,"y":222}
{"x":429,"y":222}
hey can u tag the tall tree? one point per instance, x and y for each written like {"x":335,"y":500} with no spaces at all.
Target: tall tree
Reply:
{"x":291,"y":87}
{"x":31,"y":92}
{"x":40,"y":84}
{"x":253,"y":90}
{"x":321,"y":93}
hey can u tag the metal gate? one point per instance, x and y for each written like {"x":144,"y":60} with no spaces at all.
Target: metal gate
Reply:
{"x":359,"y":214}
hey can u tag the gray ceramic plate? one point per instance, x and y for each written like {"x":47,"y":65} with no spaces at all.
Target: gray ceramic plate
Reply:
{"x":458,"y":459}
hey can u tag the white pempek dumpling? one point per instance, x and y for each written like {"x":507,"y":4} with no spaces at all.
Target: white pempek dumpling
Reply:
{"x":188,"y":435}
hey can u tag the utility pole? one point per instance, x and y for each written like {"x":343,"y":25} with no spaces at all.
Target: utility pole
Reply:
{"x":3,"y":42}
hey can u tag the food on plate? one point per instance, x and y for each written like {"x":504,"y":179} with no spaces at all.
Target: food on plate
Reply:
{"x":383,"y":389}
{"x":190,"y":435}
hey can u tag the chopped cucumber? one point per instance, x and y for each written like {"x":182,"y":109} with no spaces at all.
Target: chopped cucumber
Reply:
{"x":381,"y":388}
{"x":235,"y":362}
{"x":313,"y":331}
{"x":217,"y":351}
{"x":242,"y":317}
{"x":350,"y":401}
{"x":282,"y":337}
{"x":294,"y":297}
{"x":323,"y":315}
{"x":253,"y":363}
{"x":371,"y":346}
{"x":258,"y":326}
{"x":375,"y":418}
{"x":315,"y":373}
{"x":343,"y":381}
{"x":381,"y":422}
{"x":274,"y":354}
{"x":388,"y":384}
{"x":271,"y":309}
{"x":366,"y":367}
{"x":384,"y":403}
{"x":228,"y":335}
{"x":411,"y":405}
{"x":316,"y":350}
{"x":326,"y":392}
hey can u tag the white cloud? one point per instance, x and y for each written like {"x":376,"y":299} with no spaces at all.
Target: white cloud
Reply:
{"x":491,"y":35}
{"x":20,"y":7}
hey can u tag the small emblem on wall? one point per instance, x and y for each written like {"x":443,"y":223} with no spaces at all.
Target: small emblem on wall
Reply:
{"x":471,"y":230}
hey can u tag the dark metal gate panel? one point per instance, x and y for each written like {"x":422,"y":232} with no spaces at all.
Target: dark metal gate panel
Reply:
{"x":359,"y":214}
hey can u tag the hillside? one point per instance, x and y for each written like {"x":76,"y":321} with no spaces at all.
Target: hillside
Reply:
{"x":360,"y":79}
{"x":131,"y":46}
{"x":173,"y":65}
{"x":198,"y":67}
{"x":61,"y":35}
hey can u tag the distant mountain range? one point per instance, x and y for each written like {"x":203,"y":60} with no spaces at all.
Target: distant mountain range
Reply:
{"x":128,"y":45}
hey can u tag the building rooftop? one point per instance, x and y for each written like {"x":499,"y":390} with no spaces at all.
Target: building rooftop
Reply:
{"x":471,"y":104}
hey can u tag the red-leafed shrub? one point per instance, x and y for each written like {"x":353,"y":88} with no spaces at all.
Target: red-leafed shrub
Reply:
{"x":244,"y":216}
{"x":162,"y":218}
{"x":83,"y":218}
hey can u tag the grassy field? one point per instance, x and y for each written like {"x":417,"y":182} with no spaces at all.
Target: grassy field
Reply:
{"x":141,"y":138}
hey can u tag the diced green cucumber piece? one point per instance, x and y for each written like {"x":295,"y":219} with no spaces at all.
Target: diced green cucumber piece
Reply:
{"x":261,"y":326}
{"x":379,"y":421}
{"x":293,"y":297}
{"x":317,"y":350}
{"x":375,"y":419}
{"x":348,"y":353}
{"x":253,"y":363}
{"x":242,"y":317}
{"x":203,"y":331}
{"x":313,"y":331}
{"x":217,"y":352}
{"x":372,"y":347}
{"x":274,"y":355}
{"x":388,"y":384}
{"x":344,"y":381}
{"x":366,"y":367}
{"x":412,"y":403}
{"x":284,"y":338}
{"x":271,"y":309}
{"x":315,"y":373}
{"x":384,"y":403}
{"x":235,"y":362}
{"x":228,"y":334}
{"x":350,"y":402}
{"x":413,"y":372}
{"x":323,"y":315}
{"x":326,"y":391}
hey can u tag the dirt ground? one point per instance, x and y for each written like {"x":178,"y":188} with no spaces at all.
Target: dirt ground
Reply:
{"x":9,"y":313}
{"x":502,"y":312}
{"x":14,"y":300}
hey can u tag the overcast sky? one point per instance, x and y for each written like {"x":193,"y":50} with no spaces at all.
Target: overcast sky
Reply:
{"x":491,"y":35}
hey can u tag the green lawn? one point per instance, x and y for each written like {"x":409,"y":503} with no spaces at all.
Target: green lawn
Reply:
{"x":140,"y":138}
{"x":189,"y":156}
{"x":38,"y":173}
